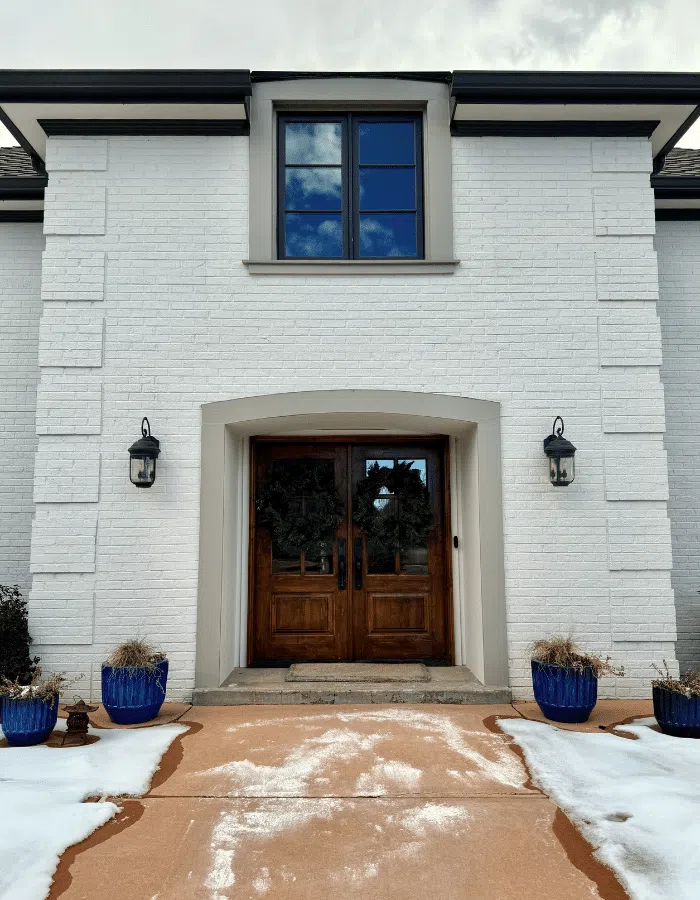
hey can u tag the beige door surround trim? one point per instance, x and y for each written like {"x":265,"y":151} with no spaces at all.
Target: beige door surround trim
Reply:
{"x":335,"y":95}
{"x":475,"y":495}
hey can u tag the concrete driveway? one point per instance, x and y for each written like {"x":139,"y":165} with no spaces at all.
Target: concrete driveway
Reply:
{"x":314,"y":802}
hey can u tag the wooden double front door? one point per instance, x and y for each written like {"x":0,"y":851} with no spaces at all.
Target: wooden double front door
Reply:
{"x":348,"y":552}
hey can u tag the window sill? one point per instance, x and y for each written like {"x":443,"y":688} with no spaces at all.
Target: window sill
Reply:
{"x":351,"y":266}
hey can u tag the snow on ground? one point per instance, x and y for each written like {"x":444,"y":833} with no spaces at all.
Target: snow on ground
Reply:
{"x":42,"y":790}
{"x":636,"y":801}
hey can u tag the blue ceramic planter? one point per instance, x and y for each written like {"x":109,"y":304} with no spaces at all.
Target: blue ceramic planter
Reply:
{"x":132,"y":695}
{"x":28,"y":722}
{"x":677,"y":714}
{"x":564,"y":694}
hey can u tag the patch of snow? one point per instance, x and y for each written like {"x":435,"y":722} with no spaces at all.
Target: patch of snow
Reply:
{"x":262,"y":883}
{"x":401,"y":774}
{"x":268,"y":818}
{"x":304,"y":762}
{"x":500,"y":765}
{"x":433,"y":815}
{"x":636,"y":801}
{"x":42,"y":790}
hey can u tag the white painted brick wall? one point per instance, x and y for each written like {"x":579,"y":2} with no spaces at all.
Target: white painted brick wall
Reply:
{"x":20,"y":307}
{"x":678,"y":247}
{"x":554,"y":238}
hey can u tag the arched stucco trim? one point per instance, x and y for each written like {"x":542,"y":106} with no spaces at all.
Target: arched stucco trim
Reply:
{"x":475,"y":492}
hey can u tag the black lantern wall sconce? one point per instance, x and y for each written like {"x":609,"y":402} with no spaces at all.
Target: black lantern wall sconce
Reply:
{"x":144,"y":453}
{"x":561,"y":456}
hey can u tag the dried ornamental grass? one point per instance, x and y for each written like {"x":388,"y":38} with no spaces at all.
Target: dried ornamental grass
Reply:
{"x":688,"y":684}
{"x":134,"y":654}
{"x":561,"y":651}
{"x":49,"y":688}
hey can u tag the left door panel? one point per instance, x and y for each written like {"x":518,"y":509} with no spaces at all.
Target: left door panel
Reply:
{"x":301,"y":607}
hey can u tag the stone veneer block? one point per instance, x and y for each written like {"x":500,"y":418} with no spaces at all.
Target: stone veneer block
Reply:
{"x":623,"y":204}
{"x":639,"y":538}
{"x":69,"y":403}
{"x":71,"y":272}
{"x":63,"y":539}
{"x":67,"y":471}
{"x":632,"y":401}
{"x":629,"y":336}
{"x":59,"y":622}
{"x":635,"y":467}
{"x":75,"y":204}
{"x":71,"y":336}
{"x":76,"y":154}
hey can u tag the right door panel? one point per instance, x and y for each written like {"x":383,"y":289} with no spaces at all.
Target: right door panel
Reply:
{"x":397,"y":511}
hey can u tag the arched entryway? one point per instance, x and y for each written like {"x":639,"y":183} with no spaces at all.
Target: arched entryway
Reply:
{"x":475,"y":592}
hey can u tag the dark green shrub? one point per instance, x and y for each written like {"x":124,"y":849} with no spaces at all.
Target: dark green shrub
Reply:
{"x":15,"y":662}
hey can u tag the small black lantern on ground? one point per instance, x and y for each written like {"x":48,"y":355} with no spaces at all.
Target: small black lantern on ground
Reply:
{"x":561,"y":456}
{"x":144,"y":454}
{"x":77,"y":724}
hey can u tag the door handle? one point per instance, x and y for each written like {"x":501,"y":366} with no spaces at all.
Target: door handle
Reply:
{"x":342,"y":565}
{"x":357,"y":564}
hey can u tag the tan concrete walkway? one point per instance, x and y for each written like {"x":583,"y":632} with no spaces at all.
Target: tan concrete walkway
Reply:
{"x":319,"y":802}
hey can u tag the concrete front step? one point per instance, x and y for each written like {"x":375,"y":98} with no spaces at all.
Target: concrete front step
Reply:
{"x":448,"y":684}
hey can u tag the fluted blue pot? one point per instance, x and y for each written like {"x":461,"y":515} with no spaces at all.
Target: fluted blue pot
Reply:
{"x":564,"y":694}
{"x":677,"y":714}
{"x":132,"y":694}
{"x":28,"y":722}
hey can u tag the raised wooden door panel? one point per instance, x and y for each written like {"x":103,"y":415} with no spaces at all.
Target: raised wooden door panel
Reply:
{"x":400,"y":600}
{"x":300,"y":608}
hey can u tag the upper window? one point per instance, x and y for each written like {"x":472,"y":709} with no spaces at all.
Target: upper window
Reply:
{"x":350,"y":187}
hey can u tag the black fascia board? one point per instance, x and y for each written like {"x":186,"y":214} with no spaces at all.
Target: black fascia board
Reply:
{"x":22,"y":187}
{"x":175,"y":127}
{"x":684,"y":214}
{"x":442,"y":77}
{"x":124,"y":85}
{"x":676,"y":187}
{"x":551,"y":128}
{"x":476,"y":86}
{"x":21,"y":215}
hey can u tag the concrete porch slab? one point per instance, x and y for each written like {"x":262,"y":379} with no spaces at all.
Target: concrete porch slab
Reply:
{"x":448,"y":684}
{"x":369,"y":751}
{"x":372,"y":673}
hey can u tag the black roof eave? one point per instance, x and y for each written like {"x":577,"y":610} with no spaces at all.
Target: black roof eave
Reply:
{"x":475,"y":86}
{"x":124,"y":85}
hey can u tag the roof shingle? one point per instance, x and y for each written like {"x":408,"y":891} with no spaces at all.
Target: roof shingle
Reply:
{"x":15,"y":163}
{"x":681,"y":162}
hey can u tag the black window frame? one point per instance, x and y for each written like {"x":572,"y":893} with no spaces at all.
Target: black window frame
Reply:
{"x":350,"y":182}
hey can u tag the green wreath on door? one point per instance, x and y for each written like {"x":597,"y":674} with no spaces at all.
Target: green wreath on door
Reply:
{"x":406,"y":525}
{"x":300,"y":504}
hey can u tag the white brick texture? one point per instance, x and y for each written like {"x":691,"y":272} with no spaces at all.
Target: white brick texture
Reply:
{"x":678,"y":247}
{"x":552,"y":311}
{"x":20,"y":308}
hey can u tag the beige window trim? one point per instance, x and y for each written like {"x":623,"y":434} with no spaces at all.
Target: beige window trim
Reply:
{"x":332,"y":95}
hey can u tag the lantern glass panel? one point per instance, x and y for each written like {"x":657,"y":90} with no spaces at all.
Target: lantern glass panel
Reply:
{"x":143,"y":470}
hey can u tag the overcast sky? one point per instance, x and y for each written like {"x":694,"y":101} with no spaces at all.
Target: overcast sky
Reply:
{"x":365,"y":34}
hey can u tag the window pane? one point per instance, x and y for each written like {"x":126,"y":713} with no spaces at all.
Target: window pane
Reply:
{"x":319,"y":561}
{"x":414,"y":560}
{"x":387,"y":188}
{"x":387,"y":142}
{"x":388,"y":234}
{"x":285,"y":560}
{"x":312,"y":189}
{"x":313,"y":234}
{"x":313,"y":142}
{"x":418,"y":465}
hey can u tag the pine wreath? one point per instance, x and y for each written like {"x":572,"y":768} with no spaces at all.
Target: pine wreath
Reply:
{"x":380,"y":522}
{"x":300,"y":504}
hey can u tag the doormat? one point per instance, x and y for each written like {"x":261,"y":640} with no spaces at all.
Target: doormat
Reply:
{"x":358,"y":672}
